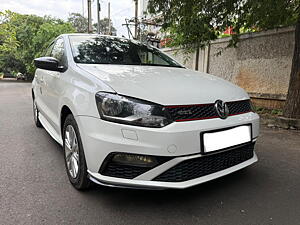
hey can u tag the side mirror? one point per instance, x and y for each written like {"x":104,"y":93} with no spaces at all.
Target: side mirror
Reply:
{"x":48,"y":63}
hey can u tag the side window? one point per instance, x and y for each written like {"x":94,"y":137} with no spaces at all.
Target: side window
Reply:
{"x":58,"y":50}
{"x":151,"y":58}
{"x":49,"y":49}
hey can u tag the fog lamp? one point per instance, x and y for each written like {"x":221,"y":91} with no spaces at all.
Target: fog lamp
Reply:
{"x":135,"y":160}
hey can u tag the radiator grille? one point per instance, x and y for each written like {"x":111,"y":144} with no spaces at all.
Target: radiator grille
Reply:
{"x":206,"y":111}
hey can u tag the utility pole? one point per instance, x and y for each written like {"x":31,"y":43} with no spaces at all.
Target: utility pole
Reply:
{"x":83,"y":8}
{"x":109,"y":23}
{"x":90,"y":28}
{"x":98,"y":16}
{"x":136,"y":20}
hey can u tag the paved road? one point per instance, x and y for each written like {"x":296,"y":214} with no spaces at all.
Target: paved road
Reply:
{"x":34,"y":188}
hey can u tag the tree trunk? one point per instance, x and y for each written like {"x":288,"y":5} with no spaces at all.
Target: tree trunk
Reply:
{"x":292,"y":104}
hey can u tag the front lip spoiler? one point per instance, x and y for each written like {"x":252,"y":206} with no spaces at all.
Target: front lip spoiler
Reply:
{"x":104,"y":183}
{"x":158,"y":185}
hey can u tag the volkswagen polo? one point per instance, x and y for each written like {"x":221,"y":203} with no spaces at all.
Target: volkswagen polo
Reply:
{"x":128,"y":115}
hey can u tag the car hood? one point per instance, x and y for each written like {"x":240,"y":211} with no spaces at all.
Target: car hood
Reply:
{"x":165,"y":85}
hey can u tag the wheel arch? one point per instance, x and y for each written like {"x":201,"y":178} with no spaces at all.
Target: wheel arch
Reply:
{"x":64,"y":112}
{"x":32,"y":93}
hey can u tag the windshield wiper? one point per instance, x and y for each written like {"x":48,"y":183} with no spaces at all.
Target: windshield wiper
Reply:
{"x":150,"y":64}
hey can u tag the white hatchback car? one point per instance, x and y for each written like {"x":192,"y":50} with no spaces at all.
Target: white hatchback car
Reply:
{"x":128,"y":115}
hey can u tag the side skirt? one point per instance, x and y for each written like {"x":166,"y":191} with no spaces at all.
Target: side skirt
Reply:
{"x":50,"y":129}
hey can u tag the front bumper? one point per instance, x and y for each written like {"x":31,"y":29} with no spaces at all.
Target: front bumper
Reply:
{"x":149,"y":184}
{"x":180,"y":140}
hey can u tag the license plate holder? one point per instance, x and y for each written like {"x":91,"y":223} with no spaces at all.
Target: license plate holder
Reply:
{"x":222,"y":139}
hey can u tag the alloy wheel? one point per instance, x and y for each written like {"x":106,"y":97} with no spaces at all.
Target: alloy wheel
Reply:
{"x":71,"y":151}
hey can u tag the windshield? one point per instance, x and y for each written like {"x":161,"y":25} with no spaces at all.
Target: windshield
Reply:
{"x":113,"y":50}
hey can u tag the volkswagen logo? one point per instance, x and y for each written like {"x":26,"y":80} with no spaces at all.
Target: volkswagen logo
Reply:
{"x":222,"y":109}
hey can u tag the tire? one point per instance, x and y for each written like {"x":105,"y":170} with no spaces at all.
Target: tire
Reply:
{"x":36,"y":114}
{"x":74,"y":155}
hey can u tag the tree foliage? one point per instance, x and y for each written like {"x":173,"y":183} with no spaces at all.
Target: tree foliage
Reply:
{"x":8,"y":40}
{"x":104,"y":25}
{"x":25,"y":37}
{"x":79,"y":22}
{"x":193,"y":23}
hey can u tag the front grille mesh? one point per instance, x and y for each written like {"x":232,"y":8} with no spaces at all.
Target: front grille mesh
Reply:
{"x":206,"y":111}
{"x":208,"y":164}
{"x":239,"y":107}
{"x":123,"y":171}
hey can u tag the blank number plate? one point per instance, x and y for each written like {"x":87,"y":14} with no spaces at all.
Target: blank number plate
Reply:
{"x":213,"y":141}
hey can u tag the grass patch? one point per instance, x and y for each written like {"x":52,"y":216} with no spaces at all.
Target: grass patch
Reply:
{"x":275,"y":112}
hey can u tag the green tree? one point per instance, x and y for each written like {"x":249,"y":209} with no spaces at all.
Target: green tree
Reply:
{"x":26,"y":28}
{"x":79,"y":22}
{"x":104,"y":24}
{"x":8,"y":40}
{"x":195,"y":23}
{"x":46,"y":33}
{"x":24,"y":37}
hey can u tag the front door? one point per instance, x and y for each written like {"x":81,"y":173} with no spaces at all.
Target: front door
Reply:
{"x":53,"y":86}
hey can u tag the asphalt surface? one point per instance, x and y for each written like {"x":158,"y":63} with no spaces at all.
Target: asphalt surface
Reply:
{"x":34,"y":188}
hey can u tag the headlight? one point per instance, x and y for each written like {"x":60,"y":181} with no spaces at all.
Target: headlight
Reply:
{"x":116,"y":108}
